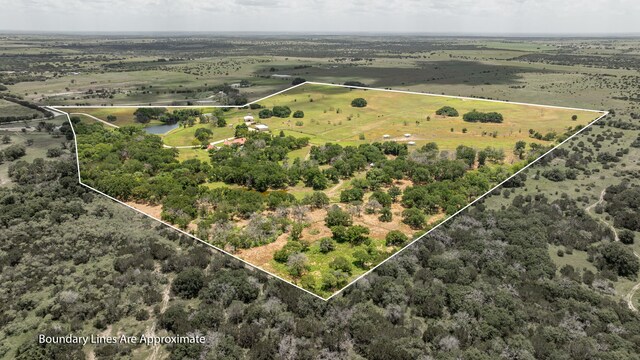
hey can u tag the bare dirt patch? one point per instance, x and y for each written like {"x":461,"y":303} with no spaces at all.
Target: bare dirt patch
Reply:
{"x":262,"y":255}
{"x":153,"y":210}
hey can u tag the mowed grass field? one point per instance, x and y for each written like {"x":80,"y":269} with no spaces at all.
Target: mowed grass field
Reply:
{"x":183,"y":136}
{"x":329,"y":117}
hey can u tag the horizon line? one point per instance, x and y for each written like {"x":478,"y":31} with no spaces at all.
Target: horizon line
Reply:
{"x":365,"y":33}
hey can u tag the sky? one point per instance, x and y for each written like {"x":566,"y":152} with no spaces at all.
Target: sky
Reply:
{"x":325,"y":16}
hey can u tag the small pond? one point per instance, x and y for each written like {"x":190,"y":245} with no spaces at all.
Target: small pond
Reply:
{"x":160,"y":129}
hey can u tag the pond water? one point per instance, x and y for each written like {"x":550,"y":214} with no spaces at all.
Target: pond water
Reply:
{"x":160,"y":129}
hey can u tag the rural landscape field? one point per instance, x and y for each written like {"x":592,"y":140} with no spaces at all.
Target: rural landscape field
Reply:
{"x":370,"y":142}
{"x":319,"y":183}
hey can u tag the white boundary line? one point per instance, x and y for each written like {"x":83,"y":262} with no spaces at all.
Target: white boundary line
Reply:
{"x":447,"y":219}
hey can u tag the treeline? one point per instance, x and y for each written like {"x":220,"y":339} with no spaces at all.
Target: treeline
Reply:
{"x":44,"y":112}
{"x":277,"y":111}
{"x":478,"y":116}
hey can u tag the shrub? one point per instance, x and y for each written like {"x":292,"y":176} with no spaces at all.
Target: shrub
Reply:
{"x":627,"y":236}
{"x":308,"y":282}
{"x":337,"y":217}
{"x":342,"y":264}
{"x":281,"y":111}
{"x":350,"y":195}
{"x":554,"y":174}
{"x":142,"y":315}
{"x":188,"y":283}
{"x":395,"y":238}
{"x":203,"y":134}
{"x":14,"y":152}
{"x":359,"y":102}
{"x":265,"y":113}
{"x":362,"y":258}
{"x":414,"y":218}
{"x":477,"y":116}
{"x":297,"y":264}
{"x":329,"y":281}
{"x":447,"y":111}
{"x":283,"y":254}
{"x":383,"y":198}
{"x":298,"y":114}
{"x":357,"y":235}
{"x":619,"y":259}
{"x":317,"y":200}
{"x":385,"y":215}
{"x":327,"y":245}
{"x":54,"y":152}
{"x":298,"y":81}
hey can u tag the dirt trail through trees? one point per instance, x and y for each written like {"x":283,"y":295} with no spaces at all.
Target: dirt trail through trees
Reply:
{"x":151,"y":331}
{"x":629,"y":296}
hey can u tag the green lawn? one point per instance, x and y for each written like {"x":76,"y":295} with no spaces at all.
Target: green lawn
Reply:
{"x":329,"y":117}
{"x":183,"y":136}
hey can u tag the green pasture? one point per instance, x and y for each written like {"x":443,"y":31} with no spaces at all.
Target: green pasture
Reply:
{"x":184,"y":136}
{"x":329,"y":117}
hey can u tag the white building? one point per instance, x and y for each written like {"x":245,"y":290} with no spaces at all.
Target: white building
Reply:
{"x":261,"y":127}
{"x":411,"y":143}
{"x":386,"y":136}
{"x":407,"y":135}
{"x":248,"y":119}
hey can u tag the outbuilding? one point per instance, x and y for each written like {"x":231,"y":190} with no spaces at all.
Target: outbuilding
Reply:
{"x":261,"y":127}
